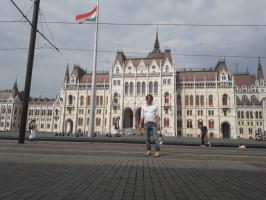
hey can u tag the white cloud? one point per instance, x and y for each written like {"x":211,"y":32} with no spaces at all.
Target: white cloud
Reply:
{"x":50,"y":66}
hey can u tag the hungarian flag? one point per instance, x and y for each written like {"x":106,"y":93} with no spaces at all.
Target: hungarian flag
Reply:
{"x":87,"y":17}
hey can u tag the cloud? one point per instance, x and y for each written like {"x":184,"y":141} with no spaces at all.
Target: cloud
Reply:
{"x":50,"y":66}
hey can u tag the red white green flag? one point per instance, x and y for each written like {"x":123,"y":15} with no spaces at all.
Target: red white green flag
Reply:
{"x":87,"y":17}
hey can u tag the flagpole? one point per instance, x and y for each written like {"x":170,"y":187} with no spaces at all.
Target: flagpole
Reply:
{"x":93,"y":80}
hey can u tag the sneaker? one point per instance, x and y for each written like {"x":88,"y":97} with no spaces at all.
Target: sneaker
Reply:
{"x":148,"y":152}
{"x":157,"y":154}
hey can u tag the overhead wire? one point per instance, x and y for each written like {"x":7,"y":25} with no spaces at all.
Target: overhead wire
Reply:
{"x":32,"y":25}
{"x":136,"y":53}
{"x":142,"y":24}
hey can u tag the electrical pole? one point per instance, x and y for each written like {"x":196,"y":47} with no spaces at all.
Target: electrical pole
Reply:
{"x":23,"y":120}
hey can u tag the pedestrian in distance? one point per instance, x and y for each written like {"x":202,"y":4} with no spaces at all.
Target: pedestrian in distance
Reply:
{"x":204,"y":136}
{"x":33,"y":130}
{"x":116,"y":128}
{"x":151,"y":122}
{"x":203,"y":130}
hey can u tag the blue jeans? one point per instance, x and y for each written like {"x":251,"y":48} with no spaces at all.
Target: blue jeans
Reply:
{"x":150,"y":130}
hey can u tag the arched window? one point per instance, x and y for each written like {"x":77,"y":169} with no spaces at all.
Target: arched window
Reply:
{"x":199,"y":122}
{"x":150,"y":87}
{"x":202,"y":100}
{"x":98,"y":122}
{"x":115,"y":100}
{"x":247,"y":114}
{"x":166,"y":69}
{"x":166,"y":98}
{"x":80,"y":121}
{"x":82,"y":100}
{"x":131,"y":88}
{"x":238,"y":114}
{"x":241,"y":130}
{"x":253,"y":99}
{"x":101,"y":100}
{"x":88,"y":100}
{"x":260,"y":115}
{"x":143,"y":88}
{"x":166,"y":122}
{"x":210,"y":100}
{"x":126,"y":88}
{"x":244,"y":99}
{"x":178,"y":100}
{"x":191,"y":100}
{"x":211,"y":123}
{"x":97,"y":100}
{"x":138,"y":88}
{"x":251,"y":114}
{"x":186,"y":100}
{"x":155,"y":87}
{"x":189,"y":123}
{"x":242,"y":114}
{"x":197,"y":100}
{"x":117,"y":70}
{"x":225,"y":100}
{"x":70,"y":100}
{"x":114,"y":121}
{"x":257,"y":114}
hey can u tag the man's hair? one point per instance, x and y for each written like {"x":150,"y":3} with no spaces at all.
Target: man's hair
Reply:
{"x":149,"y":95}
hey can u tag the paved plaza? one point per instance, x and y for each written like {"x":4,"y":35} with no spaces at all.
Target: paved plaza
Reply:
{"x":88,"y":170}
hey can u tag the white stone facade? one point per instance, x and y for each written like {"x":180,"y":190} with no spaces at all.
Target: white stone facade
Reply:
{"x":231,"y":106}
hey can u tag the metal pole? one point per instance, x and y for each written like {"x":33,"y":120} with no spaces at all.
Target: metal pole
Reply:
{"x":93,"y":84}
{"x":27,"y":86}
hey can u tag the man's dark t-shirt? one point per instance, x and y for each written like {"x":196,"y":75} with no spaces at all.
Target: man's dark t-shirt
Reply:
{"x":203,"y":130}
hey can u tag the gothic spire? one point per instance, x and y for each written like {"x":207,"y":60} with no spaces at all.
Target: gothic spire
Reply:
{"x":156,"y":43}
{"x":260,"y":75}
{"x":15,"y":89}
{"x":66,"y":80}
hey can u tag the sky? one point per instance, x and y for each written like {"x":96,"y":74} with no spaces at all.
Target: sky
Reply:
{"x":234,"y":43}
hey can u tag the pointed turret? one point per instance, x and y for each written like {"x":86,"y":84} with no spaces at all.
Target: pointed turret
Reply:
{"x":156,"y":44}
{"x":260,"y":75}
{"x":156,"y":53}
{"x":15,"y":89}
{"x":66,"y":80}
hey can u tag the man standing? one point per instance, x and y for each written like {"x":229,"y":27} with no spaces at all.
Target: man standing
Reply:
{"x":204,"y":131}
{"x":151,"y":122}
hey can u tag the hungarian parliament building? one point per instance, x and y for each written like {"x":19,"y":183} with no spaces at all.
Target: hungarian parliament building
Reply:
{"x":229,"y":105}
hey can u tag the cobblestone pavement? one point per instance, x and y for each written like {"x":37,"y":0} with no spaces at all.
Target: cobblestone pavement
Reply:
{"x":77,"y":171}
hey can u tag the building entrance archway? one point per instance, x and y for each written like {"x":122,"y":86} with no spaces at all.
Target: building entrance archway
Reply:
{"x":69,"y":126}
{"x":226,"y":131}
{"x":128,"y":118}
{"x":137,"y":117}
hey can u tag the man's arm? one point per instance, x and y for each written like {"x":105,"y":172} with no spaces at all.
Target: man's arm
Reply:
{"x":141,"y":122}
{"x":157,"y":118}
